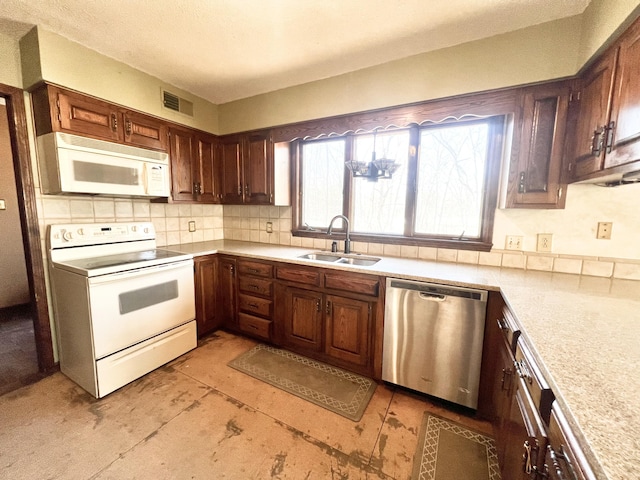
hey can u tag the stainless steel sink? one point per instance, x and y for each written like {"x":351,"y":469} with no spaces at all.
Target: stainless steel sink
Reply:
{"x":361,"y":262}
{"x":350,"y":260}
{"x":323,"y":257}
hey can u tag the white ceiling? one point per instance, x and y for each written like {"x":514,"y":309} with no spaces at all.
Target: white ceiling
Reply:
{"x":223,"y":50}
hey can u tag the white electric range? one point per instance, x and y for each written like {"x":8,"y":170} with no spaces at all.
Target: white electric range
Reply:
{"x":122,"y":306}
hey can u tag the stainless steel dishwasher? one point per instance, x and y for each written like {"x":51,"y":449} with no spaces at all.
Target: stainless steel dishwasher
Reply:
{"x":433,"y":338}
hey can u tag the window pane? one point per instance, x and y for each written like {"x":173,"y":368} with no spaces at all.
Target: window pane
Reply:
{"x":322,"y":181}
{"x":379,"y":207}
{"x":451,"y":168}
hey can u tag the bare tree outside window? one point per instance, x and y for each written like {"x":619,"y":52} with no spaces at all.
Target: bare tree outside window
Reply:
{"x":451,"y":171}
{"x":442,"y":194}
{"x":379,"y":207}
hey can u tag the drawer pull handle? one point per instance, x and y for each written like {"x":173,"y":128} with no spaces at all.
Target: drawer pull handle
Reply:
{"x":253,"y":305}
{"x":502,"y":324}
{"x":254,"y":270}
{"x":255,"y":287}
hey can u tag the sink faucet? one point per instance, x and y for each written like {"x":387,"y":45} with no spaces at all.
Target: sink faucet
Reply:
{"x":347,"y":240}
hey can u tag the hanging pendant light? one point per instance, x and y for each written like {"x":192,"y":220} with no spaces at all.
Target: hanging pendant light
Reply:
{"x":375,"y":169}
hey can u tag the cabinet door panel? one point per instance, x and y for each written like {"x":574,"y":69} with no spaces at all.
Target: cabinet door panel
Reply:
{"x":303,"y":318}
{"x":595,"y":94}
{"x":228,"y":291}
{"x":206,"y":281}
{"x":144,"y":131}
{"x":536,"y":176}
{"x":525,"y":439}
{"x":88,"y":116}
{"x":257,"y":170}
{"x":347,"y":329}
{"x":230,"y":152}
{"x":183,"y":171}
{"x":209,"y":171}
{"x":624,"y":139}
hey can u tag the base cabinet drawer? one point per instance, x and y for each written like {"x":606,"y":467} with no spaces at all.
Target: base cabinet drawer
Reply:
{"x":254,"y":305}
{"x":255,"y":326}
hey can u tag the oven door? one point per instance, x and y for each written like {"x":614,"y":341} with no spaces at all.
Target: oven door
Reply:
{"x":130,"y":307}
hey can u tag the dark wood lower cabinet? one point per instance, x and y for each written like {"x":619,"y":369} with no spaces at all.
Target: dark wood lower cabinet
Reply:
{"x":348,"y":329}
{"x":228,"y":292}
{"x":206,"y":288}
{"x":328,"y":315}
{"x":301,"y":317}
{"x":525,"y":437}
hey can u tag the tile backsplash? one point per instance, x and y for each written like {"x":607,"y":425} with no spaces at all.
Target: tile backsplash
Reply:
{"x":171,"y":221}
{"x":249,"y":223}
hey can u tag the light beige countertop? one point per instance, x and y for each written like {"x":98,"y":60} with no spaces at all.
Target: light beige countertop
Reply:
{"x":584,"y":332}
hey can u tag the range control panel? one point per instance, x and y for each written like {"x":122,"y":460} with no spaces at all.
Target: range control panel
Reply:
{"x":81,"y":234}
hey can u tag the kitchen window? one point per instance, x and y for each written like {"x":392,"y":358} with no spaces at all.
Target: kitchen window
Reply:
{"x":443,"y":192}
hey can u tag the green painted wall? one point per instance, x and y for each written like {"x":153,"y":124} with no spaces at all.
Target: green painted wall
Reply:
{"x":10,"y":62}
{"x":51,"y":57}
{"x":524,"y":56}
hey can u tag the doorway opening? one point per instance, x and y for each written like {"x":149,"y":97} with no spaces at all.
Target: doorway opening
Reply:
{"x":25,"y":331}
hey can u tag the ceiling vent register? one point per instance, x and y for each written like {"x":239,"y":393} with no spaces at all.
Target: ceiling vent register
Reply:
{"x":177,"y":104}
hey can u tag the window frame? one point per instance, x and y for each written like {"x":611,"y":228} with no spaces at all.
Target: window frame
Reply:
{"x":497,"y":124}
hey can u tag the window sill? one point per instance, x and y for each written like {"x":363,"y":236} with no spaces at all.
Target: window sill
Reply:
{"x":451,"y":243}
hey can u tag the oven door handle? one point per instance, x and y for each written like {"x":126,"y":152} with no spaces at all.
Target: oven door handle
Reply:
{"x":139,"y":272}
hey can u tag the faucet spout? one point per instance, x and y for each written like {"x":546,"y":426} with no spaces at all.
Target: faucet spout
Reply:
{"x":347,"y":240}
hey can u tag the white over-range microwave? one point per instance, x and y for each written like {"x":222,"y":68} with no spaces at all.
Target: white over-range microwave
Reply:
{"x":74,"y":164}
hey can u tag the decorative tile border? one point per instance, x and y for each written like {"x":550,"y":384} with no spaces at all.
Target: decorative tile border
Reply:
{"x":247,"y":222}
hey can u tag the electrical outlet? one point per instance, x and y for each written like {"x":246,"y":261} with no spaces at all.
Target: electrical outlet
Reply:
{"x":604,"y":230}
{"x":544,"y":242}
{"x":192,"y":226}
{"x":514,"y":242}
{"x":269,"y":227}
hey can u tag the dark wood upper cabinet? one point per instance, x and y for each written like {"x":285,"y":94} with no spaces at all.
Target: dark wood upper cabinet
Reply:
{"x":247,"y":168}
{"x":195,"y":173}
{"x":184,"y":171}
{"x":60,"y":110}
{"x":230,"y":153}
{"x":208,"y":169}
{"x":592,"y":118}
{"x":535,"y":176}
{"x":607,"y":130}
{"x":623,"y":135}
{"x":144,"y":131}
{"x":258,"y":168}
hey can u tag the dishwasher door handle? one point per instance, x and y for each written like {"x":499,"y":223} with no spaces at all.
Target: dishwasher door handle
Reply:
{"x":434,"y":297}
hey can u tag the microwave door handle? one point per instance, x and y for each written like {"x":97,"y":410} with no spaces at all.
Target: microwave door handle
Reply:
{"x":145,"y":178}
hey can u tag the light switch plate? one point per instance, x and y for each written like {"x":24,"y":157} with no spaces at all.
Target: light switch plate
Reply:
{"x":3,"y":205}
{"x":514,"y":242}
{"x":192,"y":226}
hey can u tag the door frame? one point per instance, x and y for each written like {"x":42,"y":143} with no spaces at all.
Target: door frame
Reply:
{"x":31,"y":237}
